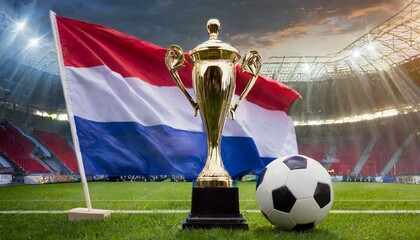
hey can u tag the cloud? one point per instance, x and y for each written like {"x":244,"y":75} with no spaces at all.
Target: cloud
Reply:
{"x":320,"y":28}
{"x":283,"y":36}
{"x":376,"y":9}
{"x":246,"y":24}
{"x":164,"y":20}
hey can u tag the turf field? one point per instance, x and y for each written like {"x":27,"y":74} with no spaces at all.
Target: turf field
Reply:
{"x":151,"y":210}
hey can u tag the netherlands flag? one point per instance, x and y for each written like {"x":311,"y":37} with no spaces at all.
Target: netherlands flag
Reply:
{"x":128,"y":117}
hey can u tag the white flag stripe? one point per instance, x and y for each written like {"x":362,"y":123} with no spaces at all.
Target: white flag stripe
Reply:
{"x":105,"y":96}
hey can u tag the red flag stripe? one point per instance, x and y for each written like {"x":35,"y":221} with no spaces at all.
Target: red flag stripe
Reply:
{"x":88,"y":45}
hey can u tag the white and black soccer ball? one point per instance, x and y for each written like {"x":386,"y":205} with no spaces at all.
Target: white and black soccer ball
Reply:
{"x":295,"y":192}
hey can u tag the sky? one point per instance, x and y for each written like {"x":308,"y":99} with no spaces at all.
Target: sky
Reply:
{"x":272,"y":27}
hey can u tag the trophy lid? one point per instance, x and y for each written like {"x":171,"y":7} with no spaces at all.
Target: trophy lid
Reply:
{"x":213,"y":48}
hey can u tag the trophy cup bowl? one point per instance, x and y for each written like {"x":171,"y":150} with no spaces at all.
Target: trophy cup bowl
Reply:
{"x":215,"y":202}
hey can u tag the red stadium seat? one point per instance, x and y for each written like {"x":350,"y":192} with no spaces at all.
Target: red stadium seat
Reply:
{"x":60,"y":147}
{"x":19,"y":148}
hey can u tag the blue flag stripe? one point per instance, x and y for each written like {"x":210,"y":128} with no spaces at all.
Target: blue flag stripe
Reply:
{"x":128,"y":148}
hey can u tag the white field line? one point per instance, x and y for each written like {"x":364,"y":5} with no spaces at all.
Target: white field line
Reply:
{"x":187,"y":211}
{"x":375,"y":211}
{"x":378,"y":200}
{"x":188,"y":200}
{"x":98,"y":200}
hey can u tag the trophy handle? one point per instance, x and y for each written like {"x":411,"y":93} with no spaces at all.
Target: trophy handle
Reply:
{"x":174,"y":59}
{"x":251,"y":64}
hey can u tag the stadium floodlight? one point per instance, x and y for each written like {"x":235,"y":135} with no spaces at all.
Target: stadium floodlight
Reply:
{"x":62,"y":117}
{"x":34,"y":42}
{"x":306,"y":68}
{"x":356,"y":53}
{"x":370,"y":46}
{"x":390,"y":113}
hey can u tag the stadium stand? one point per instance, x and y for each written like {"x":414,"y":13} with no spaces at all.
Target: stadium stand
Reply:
{"x":348,"y":153}
{"x":409,"y":162}
{"x":392,"y":136}
{"x":60,"y":147}
{"x":363,"y":148}
{"x":317,"y":151}
{"x":18,"y":149}
{"x":338,"y":90}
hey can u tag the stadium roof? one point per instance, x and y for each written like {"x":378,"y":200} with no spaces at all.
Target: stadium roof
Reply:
{"x":394,"y":42}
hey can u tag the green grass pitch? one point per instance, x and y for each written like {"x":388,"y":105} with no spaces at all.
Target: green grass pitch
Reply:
{"x":176,"y":196}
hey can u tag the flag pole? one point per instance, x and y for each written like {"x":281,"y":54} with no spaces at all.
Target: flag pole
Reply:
{"x":77,"y":213}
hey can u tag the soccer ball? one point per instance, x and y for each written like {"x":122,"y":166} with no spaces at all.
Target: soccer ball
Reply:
{"x":295,"y":192}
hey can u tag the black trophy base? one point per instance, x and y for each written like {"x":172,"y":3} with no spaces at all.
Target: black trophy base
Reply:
{"x":215,"y":208}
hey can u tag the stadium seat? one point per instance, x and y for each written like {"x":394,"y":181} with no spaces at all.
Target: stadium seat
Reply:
{"x":60,"y":147}
{"x":19,"y":148}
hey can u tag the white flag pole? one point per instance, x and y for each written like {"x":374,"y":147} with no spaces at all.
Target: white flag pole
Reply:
{"x":77,"y":213}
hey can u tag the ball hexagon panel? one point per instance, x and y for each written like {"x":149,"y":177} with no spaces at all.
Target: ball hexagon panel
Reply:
{"x":305,"y":211}
{"x":320,"y":173}
{"x":281,"y":219}
{"x":265,"y":203}
{"x":283,"y":199}
{"x":301,"y":183}
{"x":276,"y":175}
{"x":266,"y":217}
{"x":295,"y":162}
{"x":322,"y":194}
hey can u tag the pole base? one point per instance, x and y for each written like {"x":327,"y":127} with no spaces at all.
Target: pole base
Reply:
{"x":215,"y":208}
{"x":78,"y":214}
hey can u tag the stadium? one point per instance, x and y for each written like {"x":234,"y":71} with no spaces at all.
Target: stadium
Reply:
{"x":358,"y":116}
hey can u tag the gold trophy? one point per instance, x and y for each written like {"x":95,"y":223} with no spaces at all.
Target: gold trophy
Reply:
{"x":215,"y":202}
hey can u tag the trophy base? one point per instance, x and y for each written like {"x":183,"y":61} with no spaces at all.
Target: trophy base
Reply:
{"x":215,"y":208}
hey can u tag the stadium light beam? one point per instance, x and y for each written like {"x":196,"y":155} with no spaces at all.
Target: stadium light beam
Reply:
{"x":370,"y":47}
{"x":356,"y":53}
{"x":34,"y":42}
{"x":306,"y":68}
{"x":20,"y":26}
